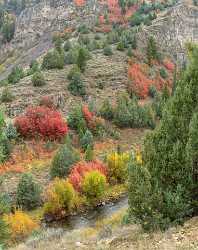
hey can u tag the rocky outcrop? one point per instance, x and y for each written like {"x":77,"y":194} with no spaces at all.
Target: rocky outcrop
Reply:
{"x":36,"y":24}
{"x":172,"y":29}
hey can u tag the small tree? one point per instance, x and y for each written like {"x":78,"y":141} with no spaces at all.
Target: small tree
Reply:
{"x":82,"y":59}
{"x":63,"y":161}
{"x":107,"y":51}
{"x":15,"y":76}
{"x":76,"y":85}
{"x":53,"y":60}
{"x":38,"y":79}
{"x":89,"y":153}
{"x":4,"y":233}
{"x":87,"y":140}
{"x":28,"y":192}
{"x":67,"y":46}
{"x":7,"y":95}
{"x":94,"y":185}
{"x":151,"y":50}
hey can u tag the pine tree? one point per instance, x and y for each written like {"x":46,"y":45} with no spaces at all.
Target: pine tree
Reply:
{"x":166,"y":154}
{"x":151,"y":50}
{"x":82,"y":59}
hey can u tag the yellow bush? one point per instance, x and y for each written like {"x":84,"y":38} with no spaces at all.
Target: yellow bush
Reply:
{"x":60,"y":197}
{"x":20,"y":224}
{"x":94,"y":185}
{"x":117,"y":166}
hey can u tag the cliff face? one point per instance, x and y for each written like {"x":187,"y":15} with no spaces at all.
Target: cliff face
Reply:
{"x":36,"y":24}
{"x":173,"y":29}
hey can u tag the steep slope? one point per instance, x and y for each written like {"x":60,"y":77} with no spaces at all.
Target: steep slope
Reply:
{"x":173,"y":28}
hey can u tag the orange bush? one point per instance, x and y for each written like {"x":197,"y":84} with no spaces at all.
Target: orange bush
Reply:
{"x":140,"y":82}
{"x":20,"y":224}
{"x":80,"y":169}
{"x":79,"y":3}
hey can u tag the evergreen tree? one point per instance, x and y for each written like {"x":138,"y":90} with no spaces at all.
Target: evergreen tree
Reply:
{"x":170,"y":158}
{"x":151,"y":50}
{"x":82,"y":59}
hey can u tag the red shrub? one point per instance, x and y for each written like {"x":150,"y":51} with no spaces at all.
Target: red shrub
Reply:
{"x":80,"y":169}
{"x":41,"y":121}
{"x":140,"y":82}
{"x":88,"y":115}
{"x":169,"y":65}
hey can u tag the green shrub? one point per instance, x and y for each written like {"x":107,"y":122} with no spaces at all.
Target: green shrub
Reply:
{"x":58,"y":44}
{"x":71,"y":56}
{"x":94,"y":185}
{"x":4,"y":233}
{"x":34,"y":67}
{"x":67,"y":46}
{"x":97,"y":37}
{"x":38,"y":79}
{"x":76,"y":119}
{"x":83,"y":56}
{"x":5,"y":148}
{"x":28,"y":192}
{"x":152,"y":91}
{"x":89,"y":153}
{"x":11,"y":132}
{"x":107,"y":51}
{"x":6,"y":95}
{"x":53,"y":60}
{"x":83,"y":29}
{"x":106,"y":110}
{"x":128,"y":113}
{"x":163,"y":73}
{"x":15,"y":76}
{"x":63,"y":161}
{"x":136,"y":19}
{"x":120,"y":46}
{"x":5,"y":203}
{"x":87,"y":140}
{"x":76,"y":85}
{"x":73,"y":71}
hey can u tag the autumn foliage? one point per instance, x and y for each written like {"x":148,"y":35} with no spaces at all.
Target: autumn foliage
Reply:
{"x":20,"y":224}
{"x":41,"y":121}
{"x":79,"y":3}
{"x":80,"y":169}
{"x":169,"y":65}
{"x":140,"y":82}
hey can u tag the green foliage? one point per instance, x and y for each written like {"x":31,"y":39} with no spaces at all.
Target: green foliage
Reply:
{"x":5,"y":148}
{"x":151,"y":50}
{"x":8,"y":29}
{"x":73,"y":72}
{"x":6,"y":95}
{"x":120,"y":46}
{"x":38,"y":79}
{"x":107,"y":51}
{"x":4,"y":233}
{"x":5,"y":203}
{"x":87,"y":140}
{"x":15,"y":76}
{"x":89,"y":153}
{"x":106,"y":110}
{"x":71,"y":56}
{"x":94,"y":185}
{"x":11,"y":132}
{"x":83,"y":29}
{"x":76,"y":85}
{"x":28,"y":192}
{"x":58,"y":44}
{"x":67,"y":46}
{"x":63,"y":161}
{"x":76,"y":119}
{"x":169,"y":156}
{"x":152,"y":91}
{"x":82,"y":58}
{"x":128,"y":113}
{"x":53,"y":60}
{"x":34,"y":67}
{"x":163,"y":73}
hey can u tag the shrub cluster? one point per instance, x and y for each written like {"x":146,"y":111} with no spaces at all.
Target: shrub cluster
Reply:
{"x":128,"y":113}
{"x":79,"y":170}
{"x":41,"y":121}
